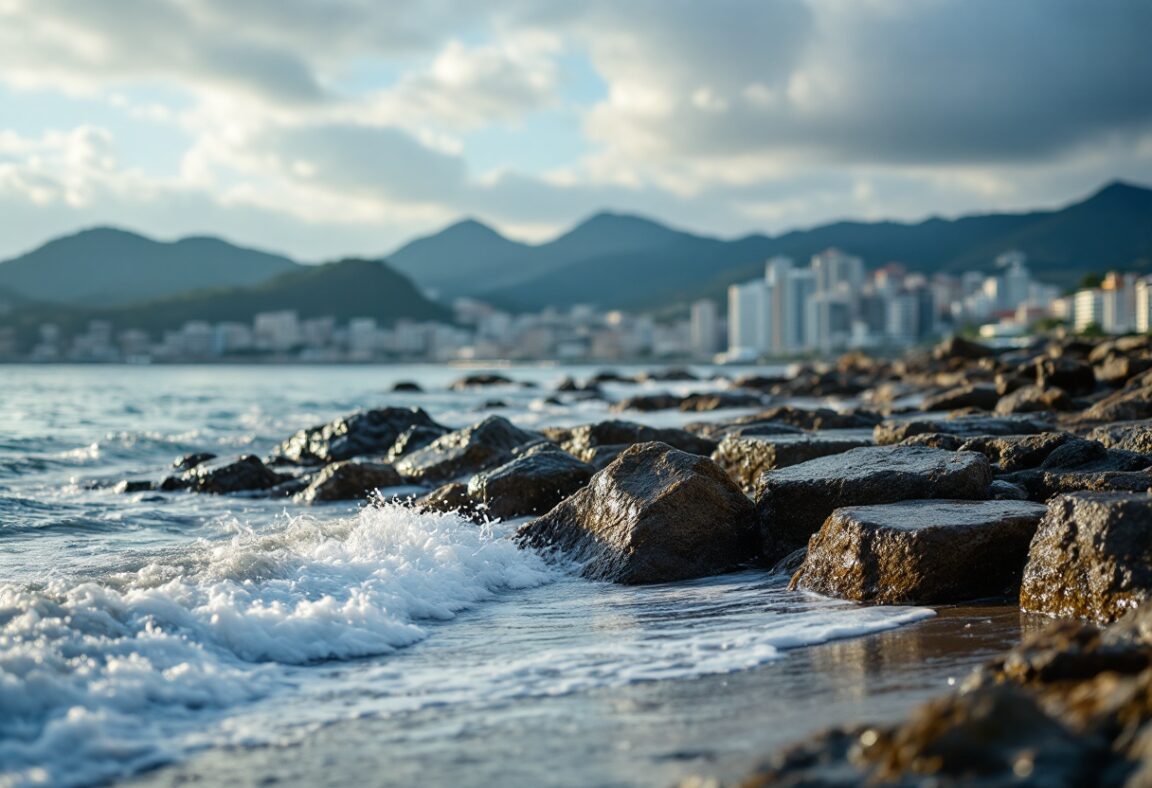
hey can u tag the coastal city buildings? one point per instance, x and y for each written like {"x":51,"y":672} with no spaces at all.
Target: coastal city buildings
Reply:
{"x":830,"y":304}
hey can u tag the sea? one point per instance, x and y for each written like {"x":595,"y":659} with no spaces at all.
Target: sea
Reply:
{"x":167,"y":638}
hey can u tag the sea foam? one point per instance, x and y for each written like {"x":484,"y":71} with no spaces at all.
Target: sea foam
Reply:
{"x":99,"y":679}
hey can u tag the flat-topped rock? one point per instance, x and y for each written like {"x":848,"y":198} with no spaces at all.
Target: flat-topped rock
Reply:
{"x":921,"y":552}
{"x":346,"y":481}
{"x":532,"y":483}
{"x":893,"y":431}
{"x":1091,"y":557}
{"x":654,"y":515}
{"x":976,"y":395}
{"x":366,"y":433}
{"x":747,"y":457}
{"x":1129,"y":435}
{"x":1124,"y":405}
{"x":464,"y":452}
{"x":582,"y":442}
{"x":1034,"y":399}
{"x":792,"y":503}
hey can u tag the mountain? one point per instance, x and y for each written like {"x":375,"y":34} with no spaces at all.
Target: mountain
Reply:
{"x":113,"y":267}
{"x":661,"y":266}
{"x":470,"y":257}
{"x":344,"y":290}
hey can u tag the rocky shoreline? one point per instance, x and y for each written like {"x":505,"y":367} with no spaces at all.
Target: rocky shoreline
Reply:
{"x":957,"y":474}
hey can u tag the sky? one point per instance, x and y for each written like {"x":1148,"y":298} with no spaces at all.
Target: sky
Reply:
{"x":324,"y":128}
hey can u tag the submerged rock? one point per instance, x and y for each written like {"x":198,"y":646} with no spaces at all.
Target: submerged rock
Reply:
{"x":921,"y":552}
{"x":345,"y":481}
{"x":747,"y":457}
{"x":792,"y":503}
{"x":532,"y":483}
{"x":656,"y":514}
{"x":1091,"y":557}
{"x":369,"y":432}
{"x":465,"y":452}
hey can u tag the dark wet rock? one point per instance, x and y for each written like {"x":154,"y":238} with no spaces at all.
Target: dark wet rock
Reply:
{"x":609,"y":376}
{"x":1069,"y":374}
{"x":811,"y":418}
{"x":670,"y":375}
{"x":584,"y":442}
{"x":978,"y":395}
{"x":1011,"y":452}
{"x":747,"y":458}
{"x":759,"y":382}
{"x":190,"y":461}
{"x":290,"y":487}
{"x":921,"y":552}
{"x":1091,"y":557}
{"x":961,"y":348}
{"x":570,"y":385}
{"x":1124,"y":405}
{"x":1043,"y":485}
{"x":532,"y":483}
{"x":451,"y":497}
{"x":1075,"y":453}
{"x":718,"y":430}
{"x":646,"y":403}
{"x":246,"y":474}
{"x":414,"y":438}
{"x":347,"y":481}
{"x":792,"y":503}
{"x":720,"y":399}
{"x":133,"y":486}
{"x":1128,"y":435}
{"x":894,"y":431}
{"x":407,"y":387}
{"x":1006,"y":491}
{"x":480,"y":380}
{"x":365,"y":433}
{"x":654,"y":515}
{"x":486,"y":445}
{"x":1034,"y":399}
{"x":493,"y":404}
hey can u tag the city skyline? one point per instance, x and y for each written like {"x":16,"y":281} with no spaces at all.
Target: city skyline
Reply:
{"x":366,"y":127}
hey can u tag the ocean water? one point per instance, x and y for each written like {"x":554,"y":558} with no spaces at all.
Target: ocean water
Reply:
{"x":155,"y":637}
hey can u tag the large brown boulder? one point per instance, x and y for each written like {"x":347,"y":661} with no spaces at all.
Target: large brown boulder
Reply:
{"x":485,"y":445}
{"x":532,"y":483}
{"x":656,"y":514}
{"x":747,"y":457}
{"x":1091,"y":557}
{"x":346,"y":481}
{"x":369,"y":432}
{"x":792,"y":503}
{"x":921,"y":552}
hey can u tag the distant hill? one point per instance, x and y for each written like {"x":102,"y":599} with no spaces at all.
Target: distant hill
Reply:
{"x":110,"y":267}
{"x":618,"y":261}
{"x":344,"y":290}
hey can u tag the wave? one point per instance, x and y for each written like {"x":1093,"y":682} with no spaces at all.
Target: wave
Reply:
{"x":100,"y":679}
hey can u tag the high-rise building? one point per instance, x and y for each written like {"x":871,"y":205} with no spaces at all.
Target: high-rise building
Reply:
{"x":705,"y":328}
{"x":836,"y":271}
{"x":748,"y":319}
{"x":1088,"y":309}
{"x":1143,"y":290}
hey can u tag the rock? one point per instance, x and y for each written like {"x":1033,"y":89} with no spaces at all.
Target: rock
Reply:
{"x":584,"y":442}
{"x":810,"y":418}
{"x":1034,"y":399}
{"x":894,"y":431}
{"x":365,"y":433}
{"x":1010,"y":452}
{"x":133,"y":486}
{"x":532,"y":483}
{"x":346,"y":481}
{"x":609,"y":376}
{"x":1043,"y":485}
{"x":1118,"y":370}
{"x":1063,"y":372}
{"x":792,"y":503}
{"x":464,"y":452}
{"x":721,"y":430}
{"x":746,"y":458}
{"x":413,"y":438}
{"x":1006,"y":491}
{"x":961,"y":348}
{"x":1124,"y":405}
{"x":1091,"y":557}
{"x":977,"y":395}
{"x":670,"y":375}
{"x":758,"y":382}
{"x":720,"y":399}
{"x":646,"y":403}
{"x":243,"y":475}
{"x":921,"y":552}
{"x":656,"y":514}
{"x":450,"y":497}
{"x":493,"y":404}
{"x":190,"y":461}
{"x":1127,"y":435}
{"x":407,"y":387}
{"x":480,"y":380}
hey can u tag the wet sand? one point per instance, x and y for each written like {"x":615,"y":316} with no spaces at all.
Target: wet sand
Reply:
{"x":654,"y":733}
